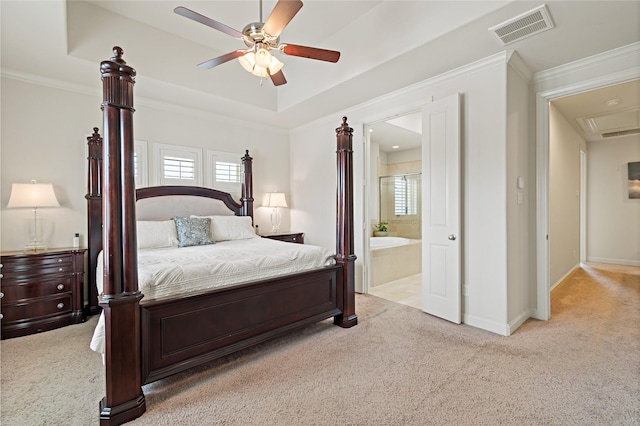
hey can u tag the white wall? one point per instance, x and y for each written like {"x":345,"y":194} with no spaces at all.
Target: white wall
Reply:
{"x":374,"y":182}
{"x":520,"y":185}
{"x":404,"y":156}
{"x":564,"y":196}
{"x":43,"y":137}
{"x":484,"y":153}
{"x":613,"y":220}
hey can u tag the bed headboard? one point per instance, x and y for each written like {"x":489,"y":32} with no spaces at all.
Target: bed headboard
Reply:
{"x":155,"y":203}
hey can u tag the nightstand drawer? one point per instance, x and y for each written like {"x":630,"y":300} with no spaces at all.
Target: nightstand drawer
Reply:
{"x":33,"y":288}
{"x":36,"y":308}
{"x":36,"y":261}
{"x":36,"y":271}
{"x":24,"y":267}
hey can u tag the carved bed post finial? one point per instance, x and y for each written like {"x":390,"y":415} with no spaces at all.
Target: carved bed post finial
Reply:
{"x":94,"y":143}
{"x":247,"y":185}
{"x":344,"y":233}
{"x":117,"y":55}
{"x":120,"y":299}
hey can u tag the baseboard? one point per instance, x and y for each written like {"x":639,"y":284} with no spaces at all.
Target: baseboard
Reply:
{"x":519,"y":320}
{"x":492,"y":326}
{"x":626,"y":262}
{"x":565,"y":276}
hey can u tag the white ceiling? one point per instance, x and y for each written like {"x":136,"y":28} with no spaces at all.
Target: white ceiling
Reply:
{"x":385,"y":45}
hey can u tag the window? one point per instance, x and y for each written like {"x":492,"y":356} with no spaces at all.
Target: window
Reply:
{"x":406,"y":195}
{"x":140,"y":164}
{"x":178,"y":168}
{"x":177,"y":165}
{"x":225,"y":172}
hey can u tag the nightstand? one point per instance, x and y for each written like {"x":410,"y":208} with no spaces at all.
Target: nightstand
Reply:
{"x":41,"y":290}
{"x":289,"y":237}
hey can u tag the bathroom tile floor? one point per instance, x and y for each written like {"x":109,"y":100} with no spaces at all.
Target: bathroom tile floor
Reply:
{"x":407,"y":291}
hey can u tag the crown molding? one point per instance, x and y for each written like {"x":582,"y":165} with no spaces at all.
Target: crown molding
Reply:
{"x":516,"y":63}
{"x":629,"y":53}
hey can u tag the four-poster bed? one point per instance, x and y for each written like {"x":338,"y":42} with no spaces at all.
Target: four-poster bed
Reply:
{"x":145,"y":340}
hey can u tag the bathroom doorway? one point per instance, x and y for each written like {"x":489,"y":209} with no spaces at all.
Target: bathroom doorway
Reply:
{"x":394,"y":209}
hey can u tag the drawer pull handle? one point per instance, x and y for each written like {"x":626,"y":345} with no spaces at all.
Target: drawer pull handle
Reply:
{"x":60,"y":305}
{"x":59,"y":260}
{"x":1,"y":294}
{"x":60,"y":269}
{"x":60,"y":286}
{"x":1,"y":276}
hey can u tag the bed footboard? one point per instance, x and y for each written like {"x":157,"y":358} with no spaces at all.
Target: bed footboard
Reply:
{"x":177,"y":335}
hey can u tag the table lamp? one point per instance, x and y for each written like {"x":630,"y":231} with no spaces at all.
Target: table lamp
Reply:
{"x":33,"y":195}
{"x":276,"y":200}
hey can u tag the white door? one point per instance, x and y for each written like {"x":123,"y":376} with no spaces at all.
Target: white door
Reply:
{"x":441,"y":209}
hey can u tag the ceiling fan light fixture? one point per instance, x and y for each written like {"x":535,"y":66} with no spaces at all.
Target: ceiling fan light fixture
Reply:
{"x":251,"y":62}
{"x":263,"y":57}
{"x":248,"y":61}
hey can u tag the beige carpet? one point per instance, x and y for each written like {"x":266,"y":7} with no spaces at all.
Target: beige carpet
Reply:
{"x":399,"y":366}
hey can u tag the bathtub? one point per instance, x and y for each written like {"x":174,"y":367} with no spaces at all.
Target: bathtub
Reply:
{"x":381,"y":242}
{"x":393,"y":258}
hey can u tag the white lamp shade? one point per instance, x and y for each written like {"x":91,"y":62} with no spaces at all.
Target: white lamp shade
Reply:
{"x":32,"y":195}
{"x":275,"y":199}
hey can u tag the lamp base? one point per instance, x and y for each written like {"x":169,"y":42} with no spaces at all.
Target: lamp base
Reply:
{"x":275,"y":220}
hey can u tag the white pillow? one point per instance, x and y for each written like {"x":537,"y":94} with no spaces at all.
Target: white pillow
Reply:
{"x":225,"y":228}
{"x":156,"y":234}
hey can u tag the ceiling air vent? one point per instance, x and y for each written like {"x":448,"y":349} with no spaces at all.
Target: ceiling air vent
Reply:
{"x":621,"y":133}
{"x":522,"y":26}
{"x":612,"y":124}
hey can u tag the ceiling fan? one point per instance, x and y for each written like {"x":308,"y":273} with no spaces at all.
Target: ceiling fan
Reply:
{"x":260,"y":38}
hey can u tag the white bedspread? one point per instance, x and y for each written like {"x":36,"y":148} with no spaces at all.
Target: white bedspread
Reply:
{"x":165,"y":272}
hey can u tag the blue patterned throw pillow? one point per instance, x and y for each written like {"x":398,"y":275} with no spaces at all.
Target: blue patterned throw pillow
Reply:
{"x":193,"y":231}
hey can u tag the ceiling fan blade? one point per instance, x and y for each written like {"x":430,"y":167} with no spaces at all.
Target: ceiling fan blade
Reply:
{"x":222,"y":59}
{"x":277,"y":78}
{"x":280,"y":16}
{"x":188,"y":13}
{"x":310,"y":52}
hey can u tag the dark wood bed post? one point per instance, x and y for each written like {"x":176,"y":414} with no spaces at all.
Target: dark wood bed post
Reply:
{"x":94,"y":218}
{"x":120,"y":298}
{"x":247,"y":185}
{"x":344,"y":233}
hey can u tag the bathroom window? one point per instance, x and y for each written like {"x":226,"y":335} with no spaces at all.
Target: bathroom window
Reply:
{"x":405,"y":195}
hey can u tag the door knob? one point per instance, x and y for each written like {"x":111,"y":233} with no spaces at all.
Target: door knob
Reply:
{"x":451,"y":237}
